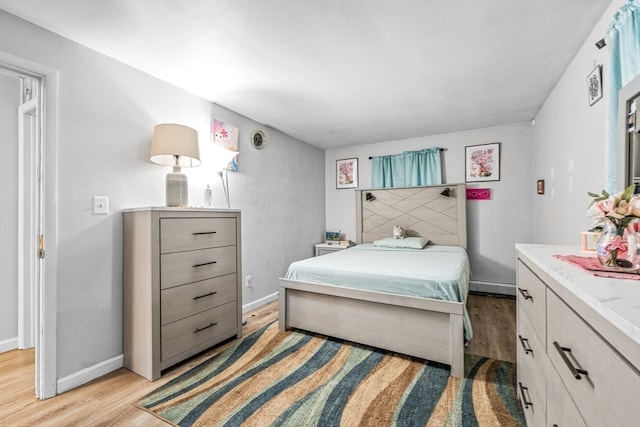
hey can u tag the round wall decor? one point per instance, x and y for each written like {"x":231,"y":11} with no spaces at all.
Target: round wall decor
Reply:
{"x":258,"y":139}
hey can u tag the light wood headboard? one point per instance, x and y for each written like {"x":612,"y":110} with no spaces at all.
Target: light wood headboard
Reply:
{"x":422,"y":211}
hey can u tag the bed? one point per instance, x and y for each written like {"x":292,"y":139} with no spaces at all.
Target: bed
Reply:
{"x":388,"y":297}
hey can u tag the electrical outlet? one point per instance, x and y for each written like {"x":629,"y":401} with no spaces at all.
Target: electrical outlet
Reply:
{"x":248,"y":281}
{"x":100,"y":205}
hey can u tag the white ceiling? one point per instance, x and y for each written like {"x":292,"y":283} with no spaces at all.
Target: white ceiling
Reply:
{"x":337,"y":73}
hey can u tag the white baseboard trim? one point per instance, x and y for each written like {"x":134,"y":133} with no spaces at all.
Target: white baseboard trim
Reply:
{"x":492,"y":288}
{"x":260,"y":302}
{"x":88,"y":374}
{"x":8,"y":345}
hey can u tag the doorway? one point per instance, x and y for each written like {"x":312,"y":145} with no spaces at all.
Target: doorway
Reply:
{"x":31,"y":213}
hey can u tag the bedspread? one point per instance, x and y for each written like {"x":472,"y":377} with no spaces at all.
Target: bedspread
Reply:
{"x":436,"y":272}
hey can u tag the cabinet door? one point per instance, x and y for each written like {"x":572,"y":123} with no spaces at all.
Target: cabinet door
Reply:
{"x":186,"y":300}
{"x":198,"y":332}
{"x":187,"y":234}
{"x":191,"y":266}
{"x":531,"y":297}
{"x":531,"y":355}
{"x":604,"y":387}
{"x":561,"y":411}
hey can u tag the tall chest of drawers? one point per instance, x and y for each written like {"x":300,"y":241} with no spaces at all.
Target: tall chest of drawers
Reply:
{"x":578,"y":355}
{"x":182,"y":284}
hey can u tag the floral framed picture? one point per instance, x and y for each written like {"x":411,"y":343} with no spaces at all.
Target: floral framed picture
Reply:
{"x":347,"y":173}
{"x":482,"y":162}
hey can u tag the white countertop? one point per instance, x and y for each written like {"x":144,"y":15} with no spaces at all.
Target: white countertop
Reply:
{"x":615,"y":300}
{"x":187,"y":209}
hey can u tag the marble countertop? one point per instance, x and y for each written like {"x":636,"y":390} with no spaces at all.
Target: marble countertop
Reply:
{"x":187,"y":209}
{"x":594,"y":298}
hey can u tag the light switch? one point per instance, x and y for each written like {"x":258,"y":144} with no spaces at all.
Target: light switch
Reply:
{"x":100,"y":205}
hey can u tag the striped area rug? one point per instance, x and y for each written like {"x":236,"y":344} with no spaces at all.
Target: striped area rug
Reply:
{"x":273,"y":378}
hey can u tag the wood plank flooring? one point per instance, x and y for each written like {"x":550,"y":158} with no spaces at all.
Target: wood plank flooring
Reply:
{"x":108,"y":401}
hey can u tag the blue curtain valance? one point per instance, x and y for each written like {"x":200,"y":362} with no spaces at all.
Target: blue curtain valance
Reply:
{"x":409,"y":169}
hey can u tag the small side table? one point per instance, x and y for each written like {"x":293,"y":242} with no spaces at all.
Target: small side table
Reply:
{"x":324,"y":248}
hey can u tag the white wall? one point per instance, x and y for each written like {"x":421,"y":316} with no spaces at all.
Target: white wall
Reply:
{"x":9,"y":100}
{"x":494,"y":226}
{"x":106,"y":114}
{"x":568,"y":145}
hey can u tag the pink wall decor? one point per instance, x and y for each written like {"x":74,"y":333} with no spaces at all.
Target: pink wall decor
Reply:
{"x":226,"y":136}
{"x":478,"y":194}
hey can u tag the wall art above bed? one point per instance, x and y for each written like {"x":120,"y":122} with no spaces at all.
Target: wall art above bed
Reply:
{"x":347,"y":173}
{"x":482,"y":162}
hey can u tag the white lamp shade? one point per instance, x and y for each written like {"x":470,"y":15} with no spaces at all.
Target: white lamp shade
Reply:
{"x":171,"y":140}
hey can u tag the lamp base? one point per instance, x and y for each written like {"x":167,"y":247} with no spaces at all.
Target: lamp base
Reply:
{"x":177,"y":190}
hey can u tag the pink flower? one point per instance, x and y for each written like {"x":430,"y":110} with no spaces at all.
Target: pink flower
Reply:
{"x":606,"y":206}
{"x":619,"y":209}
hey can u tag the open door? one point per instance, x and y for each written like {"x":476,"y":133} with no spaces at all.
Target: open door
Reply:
{"x":37,"y":178}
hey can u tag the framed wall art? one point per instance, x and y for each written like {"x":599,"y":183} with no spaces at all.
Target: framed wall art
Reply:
{"x":347,"y":173}
{"x":594,"y":85}
{"x":482,"y":162}
{"x":226,"y":137}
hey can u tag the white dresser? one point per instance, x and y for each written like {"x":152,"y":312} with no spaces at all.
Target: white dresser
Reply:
{"x":182,"y":286}
{"x":578,"y":354}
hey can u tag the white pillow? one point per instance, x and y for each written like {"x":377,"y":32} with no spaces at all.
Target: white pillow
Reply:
{"x":407,"y":242}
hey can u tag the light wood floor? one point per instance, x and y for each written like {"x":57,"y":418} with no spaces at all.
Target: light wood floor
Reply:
{"x":108,"y":401}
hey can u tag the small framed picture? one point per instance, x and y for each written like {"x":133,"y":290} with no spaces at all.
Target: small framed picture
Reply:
{"x":347,"y":173}
{"x":482,"y":162}
{"x":594,"y":85}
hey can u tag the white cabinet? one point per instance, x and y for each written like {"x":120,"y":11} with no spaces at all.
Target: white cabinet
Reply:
{"x":578,"y":356}
{"x":182,"y":292}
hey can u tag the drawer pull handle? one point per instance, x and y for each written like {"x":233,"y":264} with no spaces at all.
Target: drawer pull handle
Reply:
{"x":204,"y":263}
{"x":525,"y":294}
{"x":210,"y":325}
{"x":204,"y":232}
{"x":205,"y":295}
{"x":525,"y":345}
{"x":525,"y":398}
{"x":563,"y":352}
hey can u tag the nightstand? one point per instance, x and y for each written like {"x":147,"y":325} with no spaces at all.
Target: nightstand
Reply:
{"x":324,"y":248}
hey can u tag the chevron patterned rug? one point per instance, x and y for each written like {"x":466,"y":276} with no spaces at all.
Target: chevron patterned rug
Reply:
{"x":273,"y":378}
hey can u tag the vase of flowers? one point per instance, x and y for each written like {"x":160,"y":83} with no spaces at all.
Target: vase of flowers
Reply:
{"x":618,"y":245}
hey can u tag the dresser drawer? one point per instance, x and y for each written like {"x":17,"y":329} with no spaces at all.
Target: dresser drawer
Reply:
{"x":202,"y":329}
{"x":531,"y":354}
{"x":186,"y":267}
{"x":531,"y":300}
{"x":532,"y":399}
{"x":563,"y":412}
{"x":608,"y":393}
{"x":186,"y":300}
{"x":185,"y":234}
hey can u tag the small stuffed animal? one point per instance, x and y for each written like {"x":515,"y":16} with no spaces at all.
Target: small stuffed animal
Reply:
{"x":399,"y":232}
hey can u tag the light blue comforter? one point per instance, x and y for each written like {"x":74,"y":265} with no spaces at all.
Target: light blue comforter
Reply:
{"x":436,"y":272}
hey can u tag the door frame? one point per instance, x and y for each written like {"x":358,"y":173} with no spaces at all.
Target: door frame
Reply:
{"x":46,"y":288}
{"x":28,"y":212}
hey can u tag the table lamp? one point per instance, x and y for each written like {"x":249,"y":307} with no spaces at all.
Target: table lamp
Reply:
{"x":177,"y":146}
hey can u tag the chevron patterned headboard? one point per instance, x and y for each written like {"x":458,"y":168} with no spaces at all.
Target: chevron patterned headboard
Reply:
{"x":423,"y":211}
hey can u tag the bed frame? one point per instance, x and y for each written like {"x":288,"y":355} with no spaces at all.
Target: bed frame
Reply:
{"x":421,"y":327}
